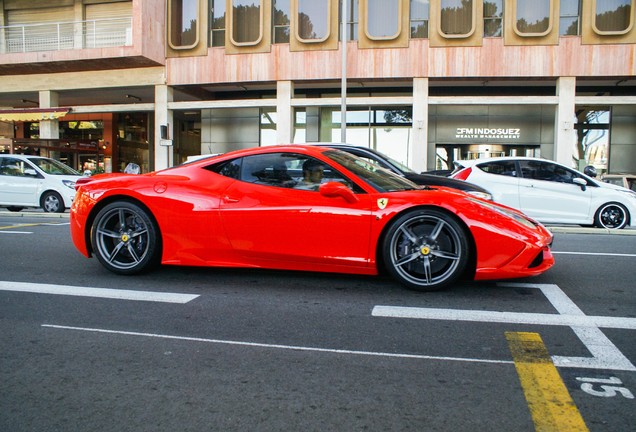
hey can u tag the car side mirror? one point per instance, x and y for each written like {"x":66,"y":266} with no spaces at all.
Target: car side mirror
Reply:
{"x":581,"y":182}
{"x":30,"y":172}
{"x":336,"y":189}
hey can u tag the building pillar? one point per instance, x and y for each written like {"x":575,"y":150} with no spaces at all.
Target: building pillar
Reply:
{"x":418,"y":151}
{"x":163,"y":142}
{"x":49,"y":129}
{"x":565,"y":131}
{"x":284,"y":112}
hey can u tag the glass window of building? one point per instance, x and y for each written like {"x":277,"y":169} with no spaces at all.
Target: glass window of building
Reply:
{"x":570,"y":18}
{"x":457,"y":18}
{"x":533,"y":17}
{"x":184,"y":23}
{"x":352,"y":19}
{"x":217,"y":23}
{"x":493,"y":18}
{"x":246,"y":22}
{"x":280,"y":21}
{"x":419,"y":19}
{"x":313,"y":20}
{"x":383,"y":19}
{"x":613,"y":16}
{"x":593,"y":145}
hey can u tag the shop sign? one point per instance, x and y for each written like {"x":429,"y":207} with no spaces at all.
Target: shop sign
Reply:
{"x":488,"y":133}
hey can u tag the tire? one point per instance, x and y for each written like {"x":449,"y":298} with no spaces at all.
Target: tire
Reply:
{"x":52,"y":202}
{"x":611,"y":216}
{"x":14,"y":209}
{"x":426,"y":249}
{"x":125,"y":238}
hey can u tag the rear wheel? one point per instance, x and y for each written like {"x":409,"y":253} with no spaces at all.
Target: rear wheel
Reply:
{"x":611,"y":216}
{"x":125,"y":238}
{"x":52,"y":202}
{"x":426,"y":249}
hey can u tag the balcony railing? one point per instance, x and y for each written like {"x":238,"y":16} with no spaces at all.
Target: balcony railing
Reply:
{"x":99,"y":33}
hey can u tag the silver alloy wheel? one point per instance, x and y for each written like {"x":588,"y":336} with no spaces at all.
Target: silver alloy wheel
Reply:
{"x":52,"y":203}
{"x":122,"y":238}
{"x":611,"y":216}
{"x":426,"y":250}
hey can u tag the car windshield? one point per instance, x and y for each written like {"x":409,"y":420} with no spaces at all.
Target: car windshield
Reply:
{"x":379,"y":178}
{"x":53,"y":167}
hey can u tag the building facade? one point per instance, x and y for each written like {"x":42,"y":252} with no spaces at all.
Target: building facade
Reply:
{"x":102,"y":83}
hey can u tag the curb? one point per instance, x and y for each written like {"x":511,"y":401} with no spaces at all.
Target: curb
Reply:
{"x":36,"y":214}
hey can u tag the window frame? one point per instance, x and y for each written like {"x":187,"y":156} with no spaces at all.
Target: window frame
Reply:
{"x":541,"y":34}
{"x":613,"y":32}
{"x":258,"y":40}
{"x":276,"y":26}
{"x":384,"y":38}
{"x":426,"y":21}
{"x":297,"y":27}
{"x":493,"y":18}
{"x":463,"y":35}
{"x":196,"y":27}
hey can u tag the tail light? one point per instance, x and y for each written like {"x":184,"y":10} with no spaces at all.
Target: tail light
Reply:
{"x":463,"y":174}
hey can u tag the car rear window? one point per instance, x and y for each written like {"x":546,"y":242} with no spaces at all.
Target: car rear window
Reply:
{"x":505,"y":168}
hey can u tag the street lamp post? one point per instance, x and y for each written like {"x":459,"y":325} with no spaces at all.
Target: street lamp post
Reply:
{"x":343,"y":90}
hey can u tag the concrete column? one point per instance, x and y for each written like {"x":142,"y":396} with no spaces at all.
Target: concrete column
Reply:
{"x":49,"y":129}
{"x":565,"y":132}
{"x":284,"y":112}
{"x":418,"y":150}
{"x":163,"y":117}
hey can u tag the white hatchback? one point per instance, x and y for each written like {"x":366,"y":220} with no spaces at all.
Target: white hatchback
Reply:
{"x":34,"y":181}
{"x":550,"y":192}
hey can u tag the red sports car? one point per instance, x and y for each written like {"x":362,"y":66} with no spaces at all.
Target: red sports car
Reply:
{"x":296,"y":207}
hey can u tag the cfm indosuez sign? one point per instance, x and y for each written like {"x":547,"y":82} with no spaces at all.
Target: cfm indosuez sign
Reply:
{"x":488,"y":133}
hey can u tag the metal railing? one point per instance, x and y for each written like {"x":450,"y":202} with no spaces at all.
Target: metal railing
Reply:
{"x":98,"y":33}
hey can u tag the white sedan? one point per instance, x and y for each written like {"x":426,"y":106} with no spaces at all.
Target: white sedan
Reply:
{"x":550,"y":192}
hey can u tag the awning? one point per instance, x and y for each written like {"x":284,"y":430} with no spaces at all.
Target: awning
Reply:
{"x":33,"y":114}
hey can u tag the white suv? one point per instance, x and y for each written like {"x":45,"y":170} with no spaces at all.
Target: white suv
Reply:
{"x":34,"y":181}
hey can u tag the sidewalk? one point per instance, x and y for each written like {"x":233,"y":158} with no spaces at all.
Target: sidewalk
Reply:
{"x":567,"y":229}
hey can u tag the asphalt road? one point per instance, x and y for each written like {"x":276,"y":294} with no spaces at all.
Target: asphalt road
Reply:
{"x":190,"y":349}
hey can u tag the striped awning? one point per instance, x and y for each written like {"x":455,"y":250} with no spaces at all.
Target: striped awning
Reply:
{"x":33,"y":114}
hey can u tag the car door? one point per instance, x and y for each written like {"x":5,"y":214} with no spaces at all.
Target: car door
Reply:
{"x":270,"y":219}
{"x":547,"y":193}
{"x":501,"y":179}
{"x":17,"y":185}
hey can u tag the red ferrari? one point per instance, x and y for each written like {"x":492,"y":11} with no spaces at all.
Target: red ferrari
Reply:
{"x":297,"y":207}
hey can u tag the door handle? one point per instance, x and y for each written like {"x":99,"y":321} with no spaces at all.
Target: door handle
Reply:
{"x":230,"y":200}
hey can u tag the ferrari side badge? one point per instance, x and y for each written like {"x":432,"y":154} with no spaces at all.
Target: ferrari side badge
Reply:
{"x":382,"y":202}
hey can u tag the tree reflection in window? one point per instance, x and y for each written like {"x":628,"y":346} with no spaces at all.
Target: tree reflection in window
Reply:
{"x":493,"y":16}
{"x":184,"y":23}
{"x":613,"y":16}
{"x":246,"y":21}
{"x":456,"y":17}
{"x":280,"y":21}
{"x":419,"y":19}
{"x":313,"y":19}
{"x":569,"y":19}
{"x":217,"y":23}
{"x":533,"y":16}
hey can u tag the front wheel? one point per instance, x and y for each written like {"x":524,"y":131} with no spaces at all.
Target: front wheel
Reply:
{"x":52,"y":202}
{"x":611,"y":216}
{"x":425,"y":249}
{"x":125,"y":238}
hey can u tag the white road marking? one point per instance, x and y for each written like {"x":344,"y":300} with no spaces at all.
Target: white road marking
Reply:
{"x":118,"y":294}
{"x":595,"y":254}
{"x":277,"y":346}
{"x":16,"y":232}
{"x":605,"y":355}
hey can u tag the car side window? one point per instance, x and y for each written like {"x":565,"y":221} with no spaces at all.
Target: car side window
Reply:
{"x":505,"y":168}
{"x":546,"y":171}
{"x":11,"y":167}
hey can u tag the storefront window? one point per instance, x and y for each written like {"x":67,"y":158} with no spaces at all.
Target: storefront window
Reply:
{"x":419,"y":19}
{"x":133,"y":141}
{"x":247,"y":22}
{"x":352,"y":19}
{"x":313,"y":20}
{"x":280,"y":21}
{"x":493,"y":18}
{"x":570,"y":15}
{"x":593,"y":137}
{"x":217,"y":23}
{"x":383,"y":19}
{"x":613,"y":16}
{"x":533,"y":17}
{"x":268,"y":126}
{"x":457,"y":18}
{"x":184,"y":24}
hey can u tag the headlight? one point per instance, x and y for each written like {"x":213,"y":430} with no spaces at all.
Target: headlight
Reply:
{"x":482,"y":195}
{"x":514,"y":215}
{"x":69,"y":183}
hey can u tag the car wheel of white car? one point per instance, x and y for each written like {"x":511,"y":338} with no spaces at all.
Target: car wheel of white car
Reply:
{"x":125,"y":238}
{"x":426,"y":249}
{"x":611,"y":216}
{"x":52,"y":202}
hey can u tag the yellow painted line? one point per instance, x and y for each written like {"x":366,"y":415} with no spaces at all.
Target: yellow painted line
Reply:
{"x":550,"y":403}
{"x":20,"y":226}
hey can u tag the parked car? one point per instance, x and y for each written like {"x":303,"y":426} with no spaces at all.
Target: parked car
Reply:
{"x":253,"y":208}
{"x":34,"y":181}
{"x":626,"y":180}
{"x":424,"y":179}
{"x":550,"y":192}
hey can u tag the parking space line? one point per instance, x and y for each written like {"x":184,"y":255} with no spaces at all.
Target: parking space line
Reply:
{"x":278,"y":346}
{"x":119,"y":294}
{"x":595,"y":254}
{"x":549,"y":401}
